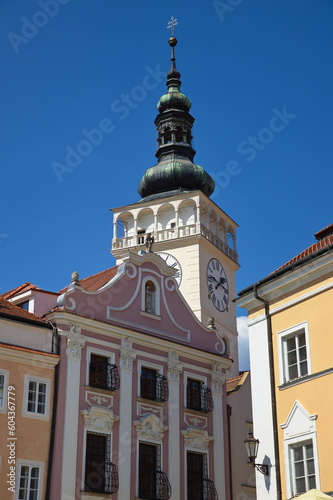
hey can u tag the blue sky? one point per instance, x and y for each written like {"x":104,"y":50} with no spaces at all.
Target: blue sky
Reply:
{"x":259,"y":75}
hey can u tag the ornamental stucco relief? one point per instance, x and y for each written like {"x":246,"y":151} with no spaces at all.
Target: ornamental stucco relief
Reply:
{"x":75,"y":341}
{"x":150,"y":427}
{"x":197,"y":438}
{"x":98,"y":419}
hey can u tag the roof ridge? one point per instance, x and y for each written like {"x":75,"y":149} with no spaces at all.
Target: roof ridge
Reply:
{"x":15,"y":290}
{"x":317,"y":245}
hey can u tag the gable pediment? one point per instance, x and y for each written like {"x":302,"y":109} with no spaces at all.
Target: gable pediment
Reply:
{"x":122,"y":302}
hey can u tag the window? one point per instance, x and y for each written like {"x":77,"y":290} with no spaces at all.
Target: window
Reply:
{"x":103,"y":374}
{"x":153,"y":483}
{"x":198,"y":396}
{"x":37,"y":397}
{"x":100,"y":473}
{"x":150,"y":293}
{"x":295,"y":356}
{"x":2,"y":390}
{"x":29,"y":482}
{"x":303,"y":467}
{"x":199,"y":487}
{"x":153,"y":385}
{"x":24,"y":305}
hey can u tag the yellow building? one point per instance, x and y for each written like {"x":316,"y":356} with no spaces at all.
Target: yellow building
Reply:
{"x":27,"y":373}
{"x":291,"y":346}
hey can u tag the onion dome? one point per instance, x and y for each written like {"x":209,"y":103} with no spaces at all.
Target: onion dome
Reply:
{"x":175,"y":171}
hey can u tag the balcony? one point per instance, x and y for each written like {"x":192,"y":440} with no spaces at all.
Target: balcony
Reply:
{"x":199,"y":398}
{"x":209,"y":490}
{"x":174,"y":233}
{"x":155,"y":486}
{"x":102,"y":478}
{"x":154,"y":386}
{"x":104,"y":376}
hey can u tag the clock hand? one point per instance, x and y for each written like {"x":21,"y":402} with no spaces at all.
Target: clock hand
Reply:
{"x":220,"y":283}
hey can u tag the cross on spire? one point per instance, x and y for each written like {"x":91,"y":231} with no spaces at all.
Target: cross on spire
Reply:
{"x":171,"y":24}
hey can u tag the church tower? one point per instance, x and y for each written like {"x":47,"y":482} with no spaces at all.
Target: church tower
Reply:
{"x":176,"y":219}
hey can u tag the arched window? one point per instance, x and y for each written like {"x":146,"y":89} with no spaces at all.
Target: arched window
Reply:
{"x":150,"y":297}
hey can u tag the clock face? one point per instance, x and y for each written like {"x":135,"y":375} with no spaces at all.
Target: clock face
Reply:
{"x":171,"y":261}
{"x":217,"y":284}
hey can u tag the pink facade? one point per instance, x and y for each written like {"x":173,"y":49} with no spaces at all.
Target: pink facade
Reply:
{"x":166,"y":409}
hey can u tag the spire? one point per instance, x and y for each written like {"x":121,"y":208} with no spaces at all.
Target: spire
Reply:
{"x":175,"y":171}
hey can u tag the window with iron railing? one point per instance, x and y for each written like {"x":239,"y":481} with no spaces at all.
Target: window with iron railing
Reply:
{"x":198,"y":396}
{"x":153,"y":483}
{"x":103,"y":374}
{"x":199,"y":487}
{"x":101,"y":474}
{"x":153,"y":385}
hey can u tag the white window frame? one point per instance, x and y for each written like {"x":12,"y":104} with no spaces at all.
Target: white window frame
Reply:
{"x":99,"y":352}
{"x":299,"y":427}
{"x":297,"y":442}
{"x":283,"y":337}
{"x":105,"y":433}
{"x":5,"y":374}
{"x":193,"y":376}
{"x":201,"y":452}
{"x":148,"y":441}
{"x":30,"y":464}
{"x":30,"y":414}
{"x":147,"y":364}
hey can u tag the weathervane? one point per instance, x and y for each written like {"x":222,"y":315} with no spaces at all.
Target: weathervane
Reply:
{"x":172,"y":24}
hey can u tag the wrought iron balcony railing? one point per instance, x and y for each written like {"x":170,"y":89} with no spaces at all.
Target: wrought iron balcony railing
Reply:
{"x":199,"y":399}
{"x":155,"y":388}
{"x":104,"y":376}
{"x":154,"y":485}
{"x":102,"y":478}
{"x":209,"y":490}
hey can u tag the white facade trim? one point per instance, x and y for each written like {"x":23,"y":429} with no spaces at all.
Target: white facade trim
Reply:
{"x":31,"y":463}
{"x":261,"y":398}
{"x":100,"y":352}
{"x":304,"y":326}
{"x":39,"y":416}
{"x":299,"y":427}
{"x":3,"y":407}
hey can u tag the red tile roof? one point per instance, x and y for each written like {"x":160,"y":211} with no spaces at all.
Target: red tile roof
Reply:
{"x":233,"y":384}
{"x":18,"y":290}
{"x":96,"y":281}
{"x":322,"y":243}
{"x":16,"y":313}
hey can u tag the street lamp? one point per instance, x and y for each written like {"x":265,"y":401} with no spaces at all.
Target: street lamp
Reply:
{"x":252,"y":445}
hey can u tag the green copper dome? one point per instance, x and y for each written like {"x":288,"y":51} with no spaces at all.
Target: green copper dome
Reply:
{"x":175,"y":171}
{"x":174,"y":100}
{"x":175,"y":174}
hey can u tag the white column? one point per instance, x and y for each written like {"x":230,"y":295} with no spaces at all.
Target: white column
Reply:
{"x":135,"y":238}
{"x":177,"y":222}
{"x":174,"y":369}
{"x":198,"y":221}
{"x":217,"y":380}
{"x":127,"y":357}
{"x":75,"y":343}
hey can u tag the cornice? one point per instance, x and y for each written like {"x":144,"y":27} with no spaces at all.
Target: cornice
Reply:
{"x":287,"y":283}
{"x":145,"y":339}
{"x":28,"y":357}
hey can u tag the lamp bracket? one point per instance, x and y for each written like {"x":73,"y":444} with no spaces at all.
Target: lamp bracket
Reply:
{"x":263,"y":468}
